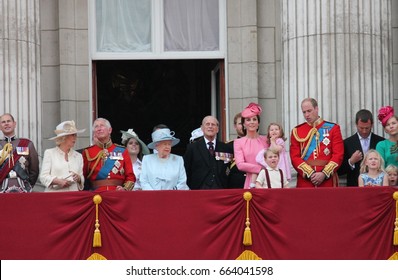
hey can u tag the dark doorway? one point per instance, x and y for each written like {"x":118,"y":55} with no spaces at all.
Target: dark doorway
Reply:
{"x":141,"y":94}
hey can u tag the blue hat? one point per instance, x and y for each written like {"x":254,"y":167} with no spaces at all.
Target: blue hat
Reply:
{"x":162,"y":135}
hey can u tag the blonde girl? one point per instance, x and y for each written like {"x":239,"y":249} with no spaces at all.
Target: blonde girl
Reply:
{"x":392,"y":172}
{"x":371,"y":171}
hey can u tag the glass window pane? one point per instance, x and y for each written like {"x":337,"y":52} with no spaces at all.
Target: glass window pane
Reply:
{"x":123,"y":25}
{"x":191,"y":25}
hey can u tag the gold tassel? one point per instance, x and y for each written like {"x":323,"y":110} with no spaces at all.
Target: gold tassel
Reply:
{"x":248,"y":255}
{"x":394,"y":257}
{"x":97,"y":234}
{"x":247,"y":235}
{"x":395,"y":196}
{"x":96,"y":257}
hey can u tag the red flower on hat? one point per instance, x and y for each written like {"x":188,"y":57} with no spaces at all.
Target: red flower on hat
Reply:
{"x":253,"y":109}
{"x":385,"y":113}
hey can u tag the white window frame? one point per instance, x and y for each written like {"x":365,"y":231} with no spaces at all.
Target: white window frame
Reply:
{"x":157,"y":43}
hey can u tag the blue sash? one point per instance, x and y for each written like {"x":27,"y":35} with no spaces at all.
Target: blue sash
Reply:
{"x":109,"y":163}
{"x":326,"y":127}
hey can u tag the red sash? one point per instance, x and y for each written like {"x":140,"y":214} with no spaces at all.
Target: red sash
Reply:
{"x":7,"y":165}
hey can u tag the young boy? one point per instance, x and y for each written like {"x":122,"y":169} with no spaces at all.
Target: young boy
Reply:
{"x":392,"y":172}
{"x":272,"y":176}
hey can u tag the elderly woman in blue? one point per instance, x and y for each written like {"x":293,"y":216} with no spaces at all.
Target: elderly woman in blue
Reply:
{"x":163,"y":170}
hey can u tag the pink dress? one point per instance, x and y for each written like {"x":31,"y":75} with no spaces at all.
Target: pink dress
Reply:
{"x":245,"y":152}
{"x":284,"y":162}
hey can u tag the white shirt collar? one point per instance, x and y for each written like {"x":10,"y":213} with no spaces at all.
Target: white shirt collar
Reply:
{"x":207,"y":142}
{"x":360,"y":137}
{"x":272,"y":169}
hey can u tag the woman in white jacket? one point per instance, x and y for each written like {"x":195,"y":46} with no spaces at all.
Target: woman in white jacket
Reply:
{"x":62,"y":167}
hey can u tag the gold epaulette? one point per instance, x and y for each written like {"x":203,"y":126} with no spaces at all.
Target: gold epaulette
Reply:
{"x":329,"y":168}
{"x":128,"y":185}
{"x":307,"y":169}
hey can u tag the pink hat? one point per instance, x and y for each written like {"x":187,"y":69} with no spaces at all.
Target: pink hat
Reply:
{"x":251,"y":110}
{"x":385,"y":113}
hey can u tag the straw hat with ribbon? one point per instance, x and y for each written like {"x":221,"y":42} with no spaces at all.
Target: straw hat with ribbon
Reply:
{"x":66,"y":128}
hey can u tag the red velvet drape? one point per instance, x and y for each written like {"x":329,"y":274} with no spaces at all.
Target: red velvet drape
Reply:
{"x":339,"y":223}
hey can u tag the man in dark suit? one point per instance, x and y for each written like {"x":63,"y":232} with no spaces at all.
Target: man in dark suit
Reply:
{"x":357,"y":145}
{"x":207,"y":159}
{"x":236,"y":178}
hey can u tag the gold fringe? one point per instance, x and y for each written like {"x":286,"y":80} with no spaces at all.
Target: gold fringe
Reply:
{"x":248,"y":255}
{"x":306,"y":168}
{"x":394,"y":257}
{"x":97,"y":199}
{"x":395,"y":196}
{"x":96,"y":257}
{"x":247,"y":235}
{"x":329,"y":168}
{"x":129,"y":185}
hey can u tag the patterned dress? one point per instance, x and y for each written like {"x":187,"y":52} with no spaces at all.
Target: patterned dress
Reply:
{"x":369,"y":181}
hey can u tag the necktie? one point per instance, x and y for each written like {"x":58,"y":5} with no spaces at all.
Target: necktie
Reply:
{"x":211,"y":148}
{"x":365,"y":144}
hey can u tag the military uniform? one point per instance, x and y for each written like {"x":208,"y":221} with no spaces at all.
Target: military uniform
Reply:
{"x":19,"y":165}
{"x":317,"y":148}
{"x":108,"y":166}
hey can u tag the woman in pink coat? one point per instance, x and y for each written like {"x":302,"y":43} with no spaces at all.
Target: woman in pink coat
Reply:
{"x":246,"y":148}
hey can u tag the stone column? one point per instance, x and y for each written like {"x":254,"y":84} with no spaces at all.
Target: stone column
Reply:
{"x":20,"y":65}
{"x":338,"y":52}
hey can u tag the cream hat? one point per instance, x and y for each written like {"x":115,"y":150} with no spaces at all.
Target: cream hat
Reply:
{"x":196,"y":134}
{"x":66,"y":128}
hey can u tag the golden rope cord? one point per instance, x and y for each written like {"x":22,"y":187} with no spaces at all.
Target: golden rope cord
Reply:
{"x":310,"y":134}
{"x":97,"y":158}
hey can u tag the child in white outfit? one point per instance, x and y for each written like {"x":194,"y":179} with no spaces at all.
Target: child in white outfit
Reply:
{"x":271,"y":176}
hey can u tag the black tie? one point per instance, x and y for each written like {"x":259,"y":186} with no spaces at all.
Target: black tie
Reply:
{"x":211,"y":148}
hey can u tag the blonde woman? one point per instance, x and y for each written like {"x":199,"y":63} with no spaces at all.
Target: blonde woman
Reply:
{"x":62,"y":167}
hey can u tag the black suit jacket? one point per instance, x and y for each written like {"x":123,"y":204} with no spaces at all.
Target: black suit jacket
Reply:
{"x":236,"y":178}
{"x":351,"y":144}
{"x":203,"y":170}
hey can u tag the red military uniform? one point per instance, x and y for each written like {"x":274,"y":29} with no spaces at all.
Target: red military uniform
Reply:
{"x":108,"y":166}
{"x":317,"y":148}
